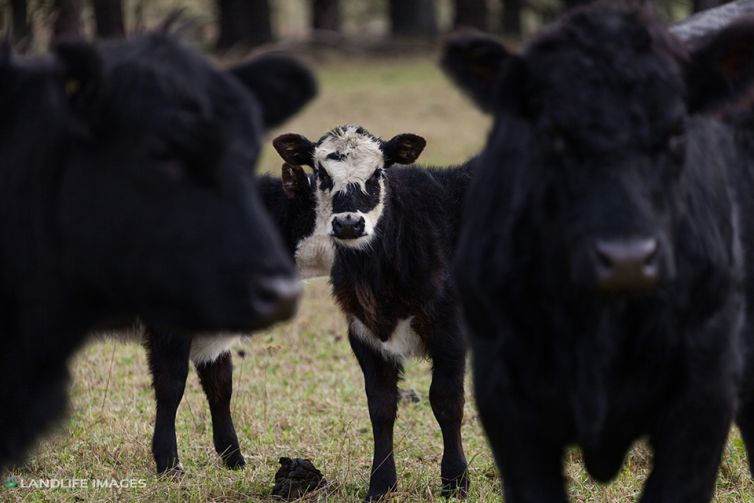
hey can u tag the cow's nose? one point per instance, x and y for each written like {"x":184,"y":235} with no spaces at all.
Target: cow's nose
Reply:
{"x":348,"y":227}
{"x":626,"y":265}
{"x":276,"y":298}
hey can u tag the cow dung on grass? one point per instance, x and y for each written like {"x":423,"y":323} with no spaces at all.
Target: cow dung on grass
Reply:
{"x":295,"y":478}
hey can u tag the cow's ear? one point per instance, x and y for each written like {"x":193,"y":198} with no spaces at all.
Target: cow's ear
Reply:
{"x":403,"y":149}
{"x":295,"y":149}
{"x":475,"y":61}
{"x":281,"y":84}
{"x":82,"y":75}
{"x":295,"y":181}
{"x":720,"y":70}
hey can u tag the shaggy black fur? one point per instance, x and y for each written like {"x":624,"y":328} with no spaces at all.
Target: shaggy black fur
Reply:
{"x":125,"y":191}
{"x":403,"y":272}
{"x":601,"y":133}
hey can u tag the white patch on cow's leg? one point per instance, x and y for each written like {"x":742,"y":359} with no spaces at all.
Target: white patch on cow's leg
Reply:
{"x":206,"y":349}
{"x":402,"y":344}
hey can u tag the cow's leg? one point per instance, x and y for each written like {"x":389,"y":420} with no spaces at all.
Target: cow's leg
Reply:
{"x":381,"y":383}
{"x":745,"y":421}
{"x":168,"y":361}
{"x":530,"y":462}
{"x":446,"y":397}
{"x":688,"y":444}
{"x":217,"y":381}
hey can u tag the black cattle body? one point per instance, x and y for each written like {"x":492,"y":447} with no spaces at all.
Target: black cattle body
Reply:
{"x":600,"y":260}
{"x":394,"y":230}
{"x":290,"y":201}
{"x":126,"y":191}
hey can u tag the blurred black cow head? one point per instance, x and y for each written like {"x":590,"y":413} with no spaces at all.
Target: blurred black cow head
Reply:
{"x":126,"y":190}
{"x":594,"y":127}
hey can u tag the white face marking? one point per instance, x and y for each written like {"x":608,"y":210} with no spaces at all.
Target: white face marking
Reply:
{"x":402,"y":344}
{"x":371,"y":219}
{"x":360,"y":156}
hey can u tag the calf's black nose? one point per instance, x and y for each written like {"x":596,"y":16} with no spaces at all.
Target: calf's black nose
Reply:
{"x":348,"y":227}
{"x":626,"y":265}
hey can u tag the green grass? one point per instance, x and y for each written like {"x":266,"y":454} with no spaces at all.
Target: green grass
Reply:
{"x":299,"y":391}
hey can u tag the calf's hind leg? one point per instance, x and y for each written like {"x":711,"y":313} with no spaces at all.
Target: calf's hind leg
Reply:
{"x":446,"y":398}
{"x":381,"y":383}
{"x":217,"y":381}
{"x":168,"y":362}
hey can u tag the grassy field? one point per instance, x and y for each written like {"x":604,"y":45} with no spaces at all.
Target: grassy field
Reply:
{"x":298,"y":389}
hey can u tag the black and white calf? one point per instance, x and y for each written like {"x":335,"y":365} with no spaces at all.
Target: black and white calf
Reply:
{"x":394,"y":232}
{"x":290,"y":200}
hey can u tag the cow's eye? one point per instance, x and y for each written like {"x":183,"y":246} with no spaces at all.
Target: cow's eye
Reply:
{"x":336,"y":156}
{"x":677,"y":145}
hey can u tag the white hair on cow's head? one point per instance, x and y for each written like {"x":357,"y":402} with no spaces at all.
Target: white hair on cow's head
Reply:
{"x":350,"y":155}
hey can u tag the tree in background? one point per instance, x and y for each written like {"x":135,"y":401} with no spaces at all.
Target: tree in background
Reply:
{"x":245,"y":23}
{"x":413,"y":18}
{"x":471,"y":14}
{"x":326,"y":15}
{"x":20,"y":21}
{"x":108,"y":16}
{"x":67,"y":18}
{"x":511,"y":22}
{"x":698,"y":5}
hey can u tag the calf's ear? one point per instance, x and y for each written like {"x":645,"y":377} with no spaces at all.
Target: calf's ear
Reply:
{"x":474,"y":61}
{"x":281,"y":85}
{"x":295,"y":149}
{"x":82,"y":76}
{"x":294,"y":179}
{"x":403,"y":149}
{"x":720,"y":70}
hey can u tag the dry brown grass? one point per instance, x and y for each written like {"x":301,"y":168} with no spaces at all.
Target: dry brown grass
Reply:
{"x":298,"y":391}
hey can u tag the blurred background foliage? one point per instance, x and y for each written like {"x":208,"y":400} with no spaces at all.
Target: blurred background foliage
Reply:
{"x":224,"y":25}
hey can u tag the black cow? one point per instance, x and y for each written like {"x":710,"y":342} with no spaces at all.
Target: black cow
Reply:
{"x":600,"y":263}
{"x":126,"y":190}
{"x":290,"y":200}
{"x":394,"y":230}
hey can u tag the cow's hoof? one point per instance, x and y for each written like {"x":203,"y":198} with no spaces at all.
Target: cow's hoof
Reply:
{"x":456,"y":488}
{"x":171,"y":471}
{"x":382,"y":494}
{"x":234,"y":461}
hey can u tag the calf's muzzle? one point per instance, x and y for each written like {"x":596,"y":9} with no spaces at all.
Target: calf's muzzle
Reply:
{"x":348,"y":226}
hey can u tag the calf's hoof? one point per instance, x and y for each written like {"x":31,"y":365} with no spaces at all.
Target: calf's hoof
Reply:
{"x":380,"y":494}
{"x":234,"y":460}
{"x":170,"y":470}
{"x":457,"y":487}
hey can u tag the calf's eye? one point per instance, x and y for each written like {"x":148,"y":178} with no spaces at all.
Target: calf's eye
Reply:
{"x":336,"y":156}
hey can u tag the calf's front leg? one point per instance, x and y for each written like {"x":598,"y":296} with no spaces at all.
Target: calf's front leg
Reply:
{"x":381,"y":383}
{"x":217,"y":381}
{"x":168,"y":362}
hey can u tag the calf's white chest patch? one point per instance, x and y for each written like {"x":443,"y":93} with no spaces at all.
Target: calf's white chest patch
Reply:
{"x":402,"y":344}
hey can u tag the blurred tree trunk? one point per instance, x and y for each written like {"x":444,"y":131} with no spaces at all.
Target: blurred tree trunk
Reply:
{"x":108,"y":15}
{"x":20,"y":20}
{"x":512,"y":17}
{"x":699,"y":5}
{"x":247,"y":23}
{"x":471,"y":14}
{"x":570,"y":4}
{"x":413,"y":18}
{"x":67,"y":18}
{"x":326,"y":15}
